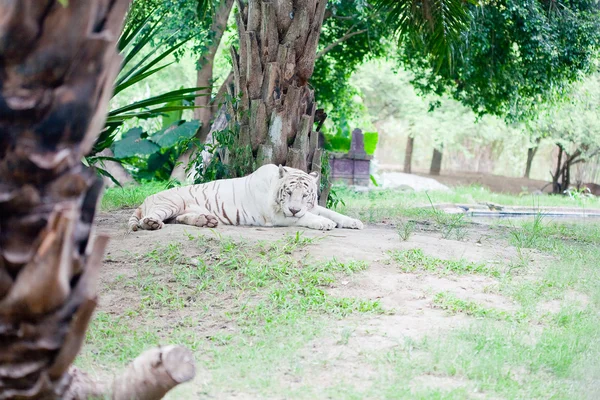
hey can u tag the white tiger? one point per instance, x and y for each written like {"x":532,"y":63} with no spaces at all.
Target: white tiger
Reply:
{"x":270,"y":196}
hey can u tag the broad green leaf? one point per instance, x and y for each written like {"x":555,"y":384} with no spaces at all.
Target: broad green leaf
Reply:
{"x":174,"y":134}
{"x":133,"y":144}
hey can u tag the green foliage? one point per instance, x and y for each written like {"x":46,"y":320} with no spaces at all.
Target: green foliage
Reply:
{"x":366,"y":39}
{"x":432,"y":25}
{"x":371,"y":139}
{"x":337,"y":144}
{"x":153,"y":156}
{"x":134,"y":143}
{"x":514,"y":56}
{"x":178,"y":20}
{"x":575,"y":124}
{"x":143,"y":52}
{"x":398,"y":111}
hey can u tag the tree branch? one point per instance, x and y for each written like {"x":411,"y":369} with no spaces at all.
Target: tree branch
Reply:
{"x":341,"y":40}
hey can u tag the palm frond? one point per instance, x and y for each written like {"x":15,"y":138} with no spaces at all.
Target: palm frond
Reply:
{"x":434,"y":24}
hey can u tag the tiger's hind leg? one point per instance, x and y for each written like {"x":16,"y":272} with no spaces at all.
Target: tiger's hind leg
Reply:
{"x":197,"y":219}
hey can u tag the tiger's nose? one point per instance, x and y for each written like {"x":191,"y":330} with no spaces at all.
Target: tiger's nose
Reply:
{"x":294,"y":211}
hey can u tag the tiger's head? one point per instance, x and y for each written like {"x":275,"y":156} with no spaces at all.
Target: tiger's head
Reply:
{"x":296,"y":191}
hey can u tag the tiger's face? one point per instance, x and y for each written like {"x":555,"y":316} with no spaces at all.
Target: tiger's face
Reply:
{"x":297,"y":192}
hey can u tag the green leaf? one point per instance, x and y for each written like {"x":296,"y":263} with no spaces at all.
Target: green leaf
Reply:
{"x":373,"y":180}
{"x":171,"y":117}
{"x":133,"y":144}
{"x":185,"y":94}
{"x":337,"y":143}
{"x":371,"y":139}
{"x":64,"y":3}
{"x":138,"y":78}
{"x":174,"y":134}
{"x":136,"y":133}
{"x":157,"y":161}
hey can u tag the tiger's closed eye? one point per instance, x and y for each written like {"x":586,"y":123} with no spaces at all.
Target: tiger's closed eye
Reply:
{"x":289,"y":192}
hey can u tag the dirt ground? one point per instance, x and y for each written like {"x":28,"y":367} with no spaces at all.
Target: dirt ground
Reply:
{"x":406,"y":297}
{"x":495,"y":183}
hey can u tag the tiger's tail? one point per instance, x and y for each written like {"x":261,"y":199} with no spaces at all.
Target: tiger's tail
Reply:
{"x":135,"y":219}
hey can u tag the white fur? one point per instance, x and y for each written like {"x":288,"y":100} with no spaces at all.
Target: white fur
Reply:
{"x":251,"y":200}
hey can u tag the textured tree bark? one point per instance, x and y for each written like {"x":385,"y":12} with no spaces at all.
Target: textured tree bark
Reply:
{"x":408,"y":155}
{"x":57,"y":68}
{"x":273,"y":119}
{"x":436,"y":162}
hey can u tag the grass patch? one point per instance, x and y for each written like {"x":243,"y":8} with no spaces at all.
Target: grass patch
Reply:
{"x":414,"y":260}
{"x":129,"y":196}
{"x":449,"y":302}
{"x":391,"y":205}
{"x":256,"y":313}
{"x":271,"y":289}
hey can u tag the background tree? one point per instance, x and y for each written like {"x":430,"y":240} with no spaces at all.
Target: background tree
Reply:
{"x":449,"y":124}
{"x":58,"y":64}
{"x":513,"y":57}
{"x":275,"y":109}
{"x":574,"y":127}
{"x":353,"y":33}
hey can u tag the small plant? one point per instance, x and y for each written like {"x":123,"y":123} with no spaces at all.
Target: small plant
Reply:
{"x":405,"y":229}
{"x":449,"y":302}
{"x":530,"y":234}
{"x":449,"y":224}
{"x":415,"y":260}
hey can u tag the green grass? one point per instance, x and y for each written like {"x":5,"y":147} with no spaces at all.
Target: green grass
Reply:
{"x":255,"y":313}
{"x":449,"y":302}
{"x":273,"y":293}
{"x":380,"y":205}
{"x":129,"y":196}
{"x":388,"y":205}
{"x":415,"y":260}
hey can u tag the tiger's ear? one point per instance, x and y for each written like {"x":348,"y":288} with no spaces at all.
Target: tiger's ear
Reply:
{"x":282,"y":171}
{"x":315,"y":175}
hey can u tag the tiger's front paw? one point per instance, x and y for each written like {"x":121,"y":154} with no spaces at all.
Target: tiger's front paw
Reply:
{"x":323,"y":224}
{"x":151,"y":224}
{"x":352,"y":223}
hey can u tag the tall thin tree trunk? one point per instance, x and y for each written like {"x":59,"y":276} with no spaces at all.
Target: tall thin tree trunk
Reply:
{"x":408,"y":154}
{"x":531,"y":152}
{"x":274,"y":117}
{"x":57,"y":67}
{"x":204,"y":78}
{"x":436,"y":162}
{"x":556,"y":176}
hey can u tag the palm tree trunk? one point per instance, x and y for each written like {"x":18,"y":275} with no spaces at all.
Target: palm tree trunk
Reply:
{"x":273,"y":120}
{"x":57,"y":67}
{"x":436,"y":162}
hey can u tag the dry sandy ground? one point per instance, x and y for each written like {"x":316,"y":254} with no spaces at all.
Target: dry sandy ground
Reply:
{"x":495,"y":183}
{"x":407,"y":296}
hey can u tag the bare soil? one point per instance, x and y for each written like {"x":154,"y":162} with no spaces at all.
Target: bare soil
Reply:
{"x":495,"y":183}
{"x":407,"y":297}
